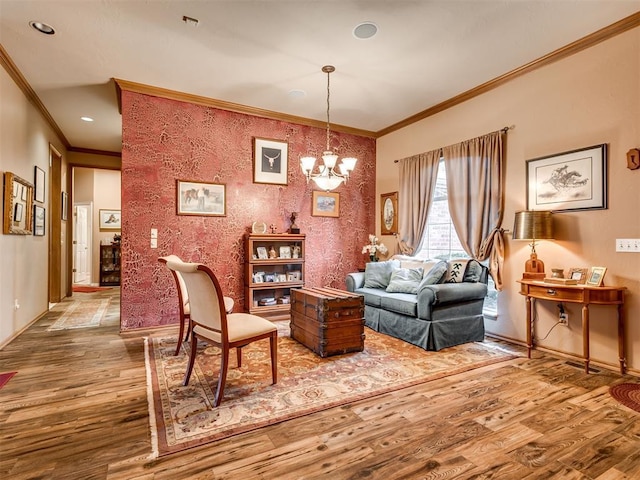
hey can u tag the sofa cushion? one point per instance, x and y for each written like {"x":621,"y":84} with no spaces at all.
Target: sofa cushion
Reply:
{"x":455,"y":272}
{"x":436,"y":274}
{"x":378,"y":274}
{"x":403,"y":303}
{"x":405,"y":280}
{"x":473,"y":272}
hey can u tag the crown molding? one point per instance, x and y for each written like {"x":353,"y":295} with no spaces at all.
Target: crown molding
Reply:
{"x":23,"y":85}
{"x":92,"y":151}
{"x":125,"y":85}
{"x":628,"y":23}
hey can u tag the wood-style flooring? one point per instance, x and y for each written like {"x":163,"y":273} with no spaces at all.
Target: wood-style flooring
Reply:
{"x":77,"y":409}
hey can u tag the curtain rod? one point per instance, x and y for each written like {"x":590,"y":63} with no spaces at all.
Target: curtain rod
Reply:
{"x":503,"y":130}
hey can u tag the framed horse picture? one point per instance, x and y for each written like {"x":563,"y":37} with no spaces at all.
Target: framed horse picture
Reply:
{"x":200,"y":198}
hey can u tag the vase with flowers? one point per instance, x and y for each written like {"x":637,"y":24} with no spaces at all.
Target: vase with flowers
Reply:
{"x":374,"y":247}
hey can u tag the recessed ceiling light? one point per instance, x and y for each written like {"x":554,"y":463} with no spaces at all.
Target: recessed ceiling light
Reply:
{"x":365,"y":30}
{"x":297,"y":93}
{"x":43,"y":28}
{"x":86,"y":119}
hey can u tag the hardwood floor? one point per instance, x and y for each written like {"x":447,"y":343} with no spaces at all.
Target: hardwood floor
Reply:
{"x":77,"y":409}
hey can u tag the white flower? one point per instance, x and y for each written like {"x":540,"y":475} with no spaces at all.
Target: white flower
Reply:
{"x":373,"y":247}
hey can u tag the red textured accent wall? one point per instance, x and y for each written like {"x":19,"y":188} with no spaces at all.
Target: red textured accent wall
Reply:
{"x":165,"y":140}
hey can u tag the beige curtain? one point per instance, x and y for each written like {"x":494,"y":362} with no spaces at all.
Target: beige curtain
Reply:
{"x":476,"y":198}
{"x":417,"y":183}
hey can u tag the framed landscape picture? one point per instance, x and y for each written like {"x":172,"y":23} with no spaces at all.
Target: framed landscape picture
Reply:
{"x":200,"y":198}
{"x":270,"y":160}
{"x":575,"y":180}
{"x":325,"y":204}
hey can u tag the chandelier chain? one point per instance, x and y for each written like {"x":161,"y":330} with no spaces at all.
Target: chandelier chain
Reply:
{"x":328,"y":121}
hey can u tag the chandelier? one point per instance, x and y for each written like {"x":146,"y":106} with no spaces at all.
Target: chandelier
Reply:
{"x":328,"y":177}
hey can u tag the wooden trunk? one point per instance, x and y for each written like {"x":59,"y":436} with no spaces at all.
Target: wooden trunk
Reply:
{"x":327,"y":321}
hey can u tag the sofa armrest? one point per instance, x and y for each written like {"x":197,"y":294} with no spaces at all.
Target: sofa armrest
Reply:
{"x":430,"y":296}
{"x":354,"y":281}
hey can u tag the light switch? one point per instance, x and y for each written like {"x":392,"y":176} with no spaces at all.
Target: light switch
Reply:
{"x":154,"y":233}
{"x":154,"y":243}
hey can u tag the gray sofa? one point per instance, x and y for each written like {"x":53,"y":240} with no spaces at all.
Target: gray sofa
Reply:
{"x":433,"y":305}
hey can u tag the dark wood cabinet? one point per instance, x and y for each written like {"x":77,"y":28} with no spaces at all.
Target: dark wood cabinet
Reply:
{"x":274,"y":264}
{"x":109,"y":265}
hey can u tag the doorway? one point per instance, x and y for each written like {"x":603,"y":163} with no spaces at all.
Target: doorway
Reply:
{"x":82,"y":225}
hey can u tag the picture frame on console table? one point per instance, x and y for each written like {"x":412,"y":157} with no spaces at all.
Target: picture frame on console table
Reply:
{"x":325,"y":204}
{"x":574,"y":180}
{"x":201,"y":198}
{"x":270,"y":161}
{"x":389,"y":213}
{"x":579,"y":274}
{"x":596,"y":277}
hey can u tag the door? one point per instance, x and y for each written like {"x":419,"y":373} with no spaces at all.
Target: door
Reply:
{"x":82,"y":243}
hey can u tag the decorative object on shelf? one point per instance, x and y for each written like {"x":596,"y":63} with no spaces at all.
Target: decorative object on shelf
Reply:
{"x":325,"y":204}
{"x":110,"y":220}
{"x":295,"y":251}
{"x":38,"y":221}
{"x":18,"y":205}
{"x":39,"y":186}
{"x":533,"y":225}
{"x":373,"y":247}
{"x":328,"y":178}
{"x":285,"y":251}
{"x":633,"y":159}
{"x":272,"y":252}
{"x":116,"y":239}
{"x":579,"y":274}
{"x":273,"y":228}
{"x":200,"y":198}
{"x":262,"y":253}
{"x":294,"y":227}
{"x":596,"y":276}
{"x":575,"y":180}
{"x":270,"y":160}
{"x":557,"y":273}
{"x":389,"y":213}
{"x":259,"y":227}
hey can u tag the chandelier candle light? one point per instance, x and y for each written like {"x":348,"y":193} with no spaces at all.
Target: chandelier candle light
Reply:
{"x":373,"y":247}
{"x":328,"y":178}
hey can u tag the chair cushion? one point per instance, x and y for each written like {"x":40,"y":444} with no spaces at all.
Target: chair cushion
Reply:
{"x":405,"y":280}
{"x":378,"y":274}
{"x":455,"y":272}
{"x":241,"y":326}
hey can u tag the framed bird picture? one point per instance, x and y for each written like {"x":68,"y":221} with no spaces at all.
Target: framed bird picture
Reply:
{"x":270,"y":160}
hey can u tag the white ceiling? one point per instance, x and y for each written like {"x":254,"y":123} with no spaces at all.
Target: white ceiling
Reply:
{"x":254,"y":52}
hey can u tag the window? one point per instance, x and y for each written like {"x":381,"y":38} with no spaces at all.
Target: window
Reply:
{"x":441,"y":240}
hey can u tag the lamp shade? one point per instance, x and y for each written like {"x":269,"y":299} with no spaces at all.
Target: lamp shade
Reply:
{"x":533,"y":225}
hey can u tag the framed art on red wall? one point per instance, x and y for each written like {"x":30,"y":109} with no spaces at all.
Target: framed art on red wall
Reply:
{"x":200,"y":198}
{"x":270,"y":160}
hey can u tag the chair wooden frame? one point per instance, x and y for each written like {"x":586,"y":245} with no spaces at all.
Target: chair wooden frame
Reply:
{"x":183,"y":299}
{"x":201,"y":328}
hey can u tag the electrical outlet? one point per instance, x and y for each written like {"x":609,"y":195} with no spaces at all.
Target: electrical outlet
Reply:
{"x":563,"y":319}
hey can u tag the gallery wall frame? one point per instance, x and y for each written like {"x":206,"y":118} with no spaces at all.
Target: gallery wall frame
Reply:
{"x":39,"y":221}
{"x":573,"y":180}
{"x":325,"y":204}
{"x":270,"y":161}
{"x":201,"y":198}
{"x":18,"y":205}
{"x":389,"y":213}
{"x":110,"y":220}
{"x":39,"y":185}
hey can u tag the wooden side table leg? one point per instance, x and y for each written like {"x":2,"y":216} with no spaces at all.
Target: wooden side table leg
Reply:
{"x":529,"y":327}
{"x":621,"y":340}
{"x":585,"y":337}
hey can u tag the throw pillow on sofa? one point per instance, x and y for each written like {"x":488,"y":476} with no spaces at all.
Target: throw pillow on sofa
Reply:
{"x":436,"y":274}
{"x":455,"y":272}
{"x":378,"y":274}
{"x":405,"y":280}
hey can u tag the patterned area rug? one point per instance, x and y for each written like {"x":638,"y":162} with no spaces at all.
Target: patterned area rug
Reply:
{"x":627,"y":394}
{"x":5,"y":377}
{"x":86,"y":313}
{"x":183,"y":417}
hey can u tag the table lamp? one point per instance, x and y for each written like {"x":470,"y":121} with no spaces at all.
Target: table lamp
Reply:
{"x":533,"y":225}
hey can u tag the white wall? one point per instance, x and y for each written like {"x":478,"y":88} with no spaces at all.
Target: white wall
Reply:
{"x":590,"y":98}
{"x":24,"y":143}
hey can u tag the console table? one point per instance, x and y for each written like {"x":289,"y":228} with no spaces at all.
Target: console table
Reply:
{"x":584,"y":294}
